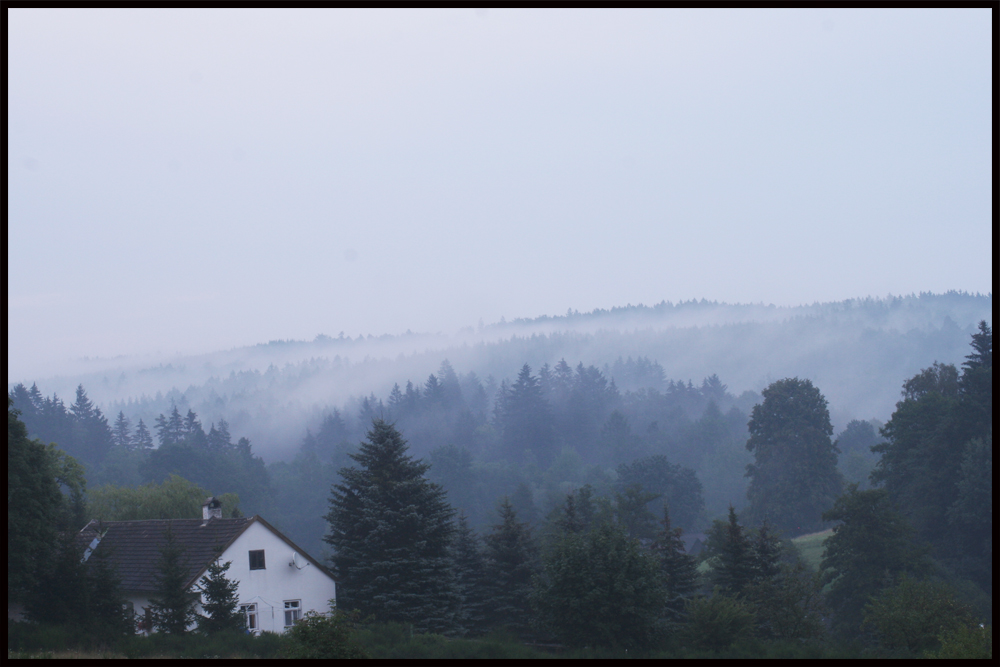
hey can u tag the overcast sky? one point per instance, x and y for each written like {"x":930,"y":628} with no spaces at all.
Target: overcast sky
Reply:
{"x":197,"y":180}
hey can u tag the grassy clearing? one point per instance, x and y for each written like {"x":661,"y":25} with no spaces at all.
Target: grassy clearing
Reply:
{"x":811,"y":547}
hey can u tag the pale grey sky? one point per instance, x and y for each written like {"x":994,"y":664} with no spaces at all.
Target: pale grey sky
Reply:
{"x":196,"y":180}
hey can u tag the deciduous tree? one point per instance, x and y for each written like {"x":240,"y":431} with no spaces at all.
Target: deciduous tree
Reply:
{"x":794,"y":476}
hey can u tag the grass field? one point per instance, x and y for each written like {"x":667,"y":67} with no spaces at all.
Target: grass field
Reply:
{"x":811,"y":547}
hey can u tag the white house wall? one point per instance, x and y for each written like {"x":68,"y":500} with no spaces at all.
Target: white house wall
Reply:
{"x":278,"y":581}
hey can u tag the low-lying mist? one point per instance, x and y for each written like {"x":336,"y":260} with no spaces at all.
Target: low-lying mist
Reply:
{"x":858,"y":352}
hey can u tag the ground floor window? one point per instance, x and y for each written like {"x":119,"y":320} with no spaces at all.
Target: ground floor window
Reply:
{"x":293,"y":612}
{"x":249,"y":612}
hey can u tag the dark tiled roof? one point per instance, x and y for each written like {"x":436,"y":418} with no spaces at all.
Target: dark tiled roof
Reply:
{"x":133,"y":547}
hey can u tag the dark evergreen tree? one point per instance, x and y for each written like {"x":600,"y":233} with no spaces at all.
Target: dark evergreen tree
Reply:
{"x":396,"y":402}
{"x":172,"y":609}
{"x":470,"y":617}
{"x":923,"y":464}
{"x":391,"y":530}
{"x":568,"y":519}
{"x":220,"y":600}
{"x":451,"y":389}
{"x":219,"y":438}
{"x":631,"y":510}
{"x":525,"y":421}
{"x":523,"y":502}
{"x":34,"y":504}
{"x":734,"y":564}
{"x":143,"y":439}
{"x":678,"y":569}
{"x":789,"y":604}
{"x":170,"y":430}
{"x":600,"y":588}
{"x":91,"y":435}
{"x":106,"y":613}
{"x":194,"y":434}
{"x":60,"y":595}
{"x":678,"y":486}
{"x":121,"y":433}
{"x":511,"y":561}
{"x":766,"y":549}
{"x":591,"y":401}
{"x":794,"y":476}
{"x":617,"y":442}
{"x":972,"y":511}
{"x":433,"y":393}
{"x":713,"y":390}
{"x":870,"y":549}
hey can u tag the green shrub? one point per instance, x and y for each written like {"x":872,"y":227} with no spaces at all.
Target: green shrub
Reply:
{"x":907,"y":619}
{"x":718,"y":622}
{"x":965,"y":643}
{"x":324,"y":636}
{"x":396,"y":641}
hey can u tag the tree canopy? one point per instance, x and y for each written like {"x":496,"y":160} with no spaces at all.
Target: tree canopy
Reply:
{"x":794,"y":476}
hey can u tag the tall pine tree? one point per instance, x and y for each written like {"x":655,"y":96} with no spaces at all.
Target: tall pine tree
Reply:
{"x":679,"y":570}
{"x":390,"y":529}
{"x":511,"y":561}
{"x":470,"y":579}
{"x":221,"y":600}
{"x":173,"y":607}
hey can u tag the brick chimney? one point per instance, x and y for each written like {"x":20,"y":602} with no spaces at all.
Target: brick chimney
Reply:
{"x":212,"y":509}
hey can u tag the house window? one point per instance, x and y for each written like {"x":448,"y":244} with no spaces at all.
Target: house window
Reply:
{"x":257,"y":559}
{"x":293,"y":612}
{"x":249,"y":612}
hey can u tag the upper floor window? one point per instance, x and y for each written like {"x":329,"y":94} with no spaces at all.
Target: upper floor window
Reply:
{"x":257,"y":559}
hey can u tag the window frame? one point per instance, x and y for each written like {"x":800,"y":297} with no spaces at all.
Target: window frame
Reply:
{"x":293,"y":612}
{"x":249,"y":611}
{"x":257,"y":560}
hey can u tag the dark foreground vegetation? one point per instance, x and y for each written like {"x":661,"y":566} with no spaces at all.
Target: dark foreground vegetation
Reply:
{"x":600,"y":568}
{"x":397,"y":641}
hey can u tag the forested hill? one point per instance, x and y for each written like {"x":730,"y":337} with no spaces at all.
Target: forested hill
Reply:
{"x":858,"y":352}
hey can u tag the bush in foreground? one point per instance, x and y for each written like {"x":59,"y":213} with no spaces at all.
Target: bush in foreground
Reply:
{"x":324,"y":636}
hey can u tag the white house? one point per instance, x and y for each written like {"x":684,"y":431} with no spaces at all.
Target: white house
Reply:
{"x":278,"y":581}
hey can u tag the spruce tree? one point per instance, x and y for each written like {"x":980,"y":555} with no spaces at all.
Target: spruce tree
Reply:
{"x":391,"y":529}
{"x":735,"y":564}
{"x":221,"y":600}
{"x":870,"y":549}
{"x":600,"y":588}
{"x":143,"y":438}
{"x":680,"y":574}
{"x":106,"y":612}
{"x":766,"y":553}
{"x":511,"y":562}
{"x":61,"y":594}
{"x":173,"y":607}
{"x":121,"y":434}
{"x":470,"y":579}
{"x":31,"y":526}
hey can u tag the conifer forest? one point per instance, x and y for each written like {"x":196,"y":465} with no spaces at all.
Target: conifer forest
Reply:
{"x":567,"y":505}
